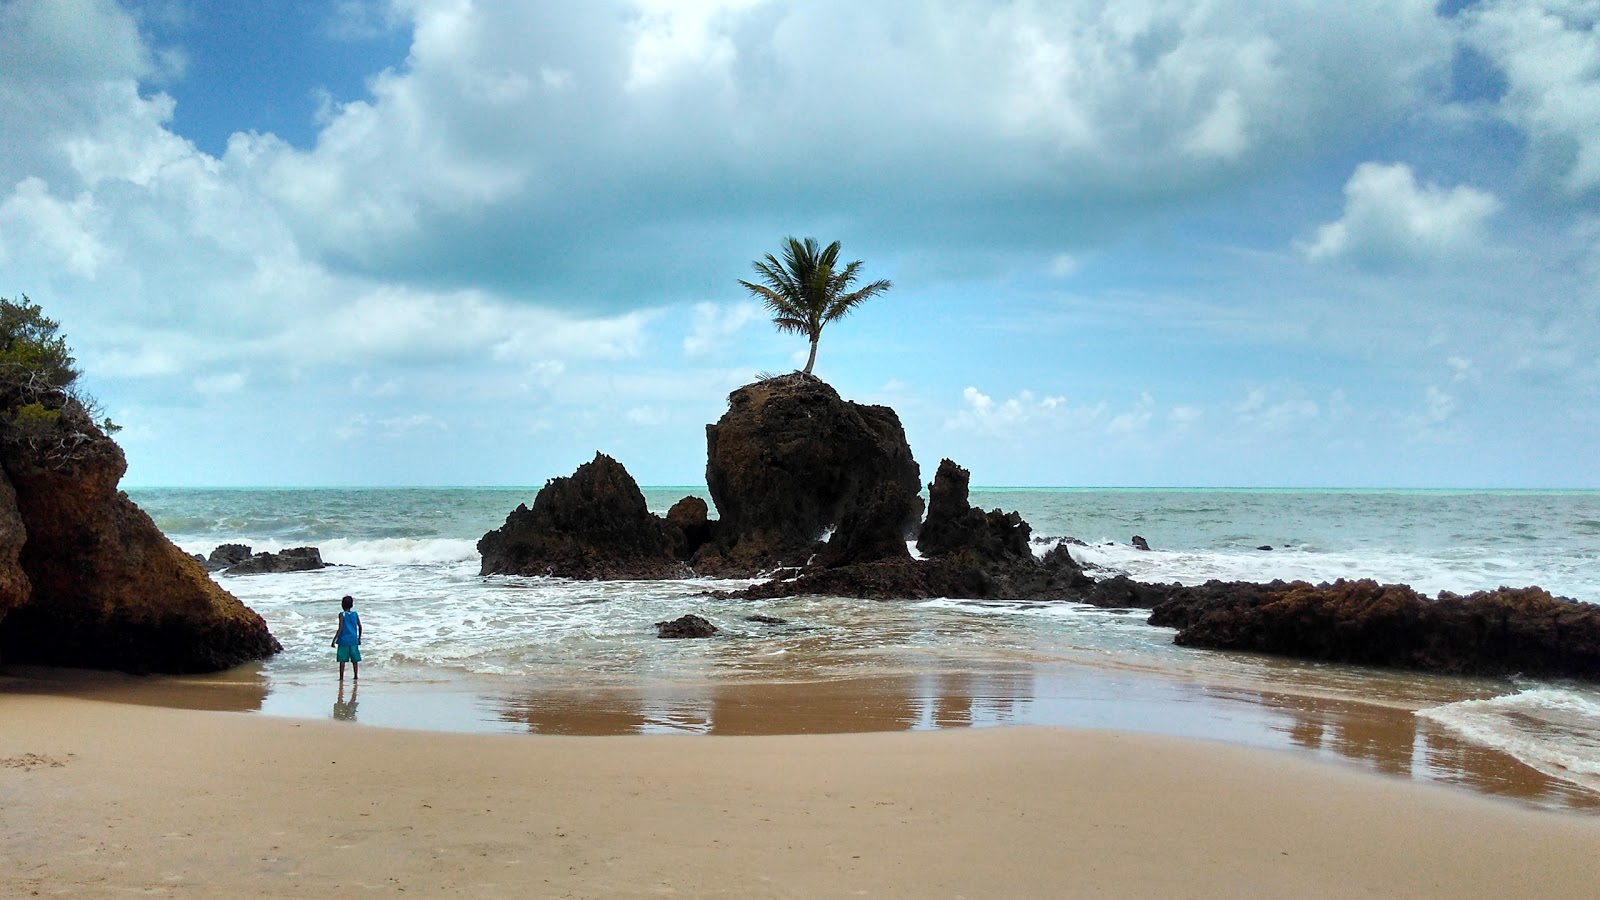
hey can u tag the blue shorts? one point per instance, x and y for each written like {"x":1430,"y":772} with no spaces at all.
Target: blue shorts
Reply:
{"x":350,"y":653}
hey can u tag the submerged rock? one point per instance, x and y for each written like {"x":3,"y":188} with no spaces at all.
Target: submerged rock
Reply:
{"x":107,"y":589}
{"x":690,"y":626}
{"x":594,"y":525}
{"x":790,"y":460}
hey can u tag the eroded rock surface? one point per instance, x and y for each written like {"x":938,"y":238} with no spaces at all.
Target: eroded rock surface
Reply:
{"x":108,"y":590}
{"x":594,"y":524}
{"x":955,"y":526}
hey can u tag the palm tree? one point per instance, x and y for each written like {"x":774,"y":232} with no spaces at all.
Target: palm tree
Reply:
{"x":805,"y":291}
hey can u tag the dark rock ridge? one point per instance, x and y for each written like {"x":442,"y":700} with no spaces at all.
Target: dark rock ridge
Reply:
{"x":105,"y":589}
{"x":224,"y":556}
{"x":1506,"y":631}
{"x":592,"y":525}
{"x":790,"y":460}
{"x":294,"y":559}
{"x":690,"y":626}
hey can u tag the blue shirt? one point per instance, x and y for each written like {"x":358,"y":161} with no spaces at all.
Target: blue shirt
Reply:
{"x":349,"y":628}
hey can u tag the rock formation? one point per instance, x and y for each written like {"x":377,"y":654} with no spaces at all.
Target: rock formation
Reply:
{"x":1502,"y":632}
{"x":14,"y":587}
{"x":594,"y":524}
{"x":970,"y":553}
{"x":955,"y":526}
{"x":790,"y":460}
{"x":106,"y":587}
{"x":294,"y":559}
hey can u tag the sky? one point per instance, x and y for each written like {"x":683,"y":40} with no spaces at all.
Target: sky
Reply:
{"x":1132,"y":242}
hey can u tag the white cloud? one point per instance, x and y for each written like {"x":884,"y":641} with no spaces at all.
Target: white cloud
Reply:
{"x":1275,"y":408}
{"x":1550,"y":53}
{"x":715,"y":325}
{"x":1388,"y":217}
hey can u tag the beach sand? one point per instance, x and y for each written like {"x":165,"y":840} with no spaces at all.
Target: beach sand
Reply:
{"x":103,"y":799}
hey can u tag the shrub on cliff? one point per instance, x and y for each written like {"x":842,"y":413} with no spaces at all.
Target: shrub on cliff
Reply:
{"x":38,"y":382}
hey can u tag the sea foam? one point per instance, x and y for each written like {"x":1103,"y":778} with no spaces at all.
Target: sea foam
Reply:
{"x":1553,"y":730}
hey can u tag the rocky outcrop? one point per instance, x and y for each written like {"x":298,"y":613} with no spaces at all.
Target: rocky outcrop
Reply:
{"x":108,"y":590}
{"x":592,"y":525}
{"x":1057,"y":576}
{"x":690,"y":519}
{"x":955,"y":526}
{"x":690,"y":626}
{"x":294,"y":559}
{"x":872,"y":530}
{"x":226,"y":555}
{"x":790,"y":460}
{"x":1501,"y":632}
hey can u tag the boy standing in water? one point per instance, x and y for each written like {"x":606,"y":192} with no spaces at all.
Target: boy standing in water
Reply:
{"x":348,"y":638}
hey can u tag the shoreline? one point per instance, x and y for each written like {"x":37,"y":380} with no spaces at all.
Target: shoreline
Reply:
{"x":1380,"y":734}
{"x":98,"y":803}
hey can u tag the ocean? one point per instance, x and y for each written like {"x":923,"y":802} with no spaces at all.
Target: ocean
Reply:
{"x":446,"y":649}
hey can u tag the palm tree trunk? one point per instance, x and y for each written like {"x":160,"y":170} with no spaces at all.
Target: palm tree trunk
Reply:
{"x":812,"y":359}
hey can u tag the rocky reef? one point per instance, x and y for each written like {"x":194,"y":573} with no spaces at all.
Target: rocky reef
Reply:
{"x":1508,"y":631}
{"x":94,"y":583}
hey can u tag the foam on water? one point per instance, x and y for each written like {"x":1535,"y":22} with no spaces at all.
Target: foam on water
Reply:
{"x":1429,"y":573}
{"x":1553,"y":730}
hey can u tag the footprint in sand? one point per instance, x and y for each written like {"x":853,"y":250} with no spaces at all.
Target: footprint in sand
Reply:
{"x":27,"y":762}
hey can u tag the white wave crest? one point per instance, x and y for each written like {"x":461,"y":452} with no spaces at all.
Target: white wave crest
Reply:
{"x":1554,"y":731}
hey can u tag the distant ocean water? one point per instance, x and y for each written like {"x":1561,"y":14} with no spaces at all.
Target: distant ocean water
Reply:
{"x":551,"y":655}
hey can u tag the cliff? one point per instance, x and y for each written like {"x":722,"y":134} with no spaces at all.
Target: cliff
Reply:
{"x":95,"y":584}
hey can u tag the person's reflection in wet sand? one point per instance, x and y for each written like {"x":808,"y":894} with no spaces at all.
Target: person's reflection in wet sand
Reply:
{"x":342,"y":710}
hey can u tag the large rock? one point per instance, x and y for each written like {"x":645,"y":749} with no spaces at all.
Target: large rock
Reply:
{"x":108,"y":589}
{"x":1502,"y":632}
{"x":953,"y":526}
{"x":790,"y":460}
{"x":1055,"y":577}
{"x":593,"y":525}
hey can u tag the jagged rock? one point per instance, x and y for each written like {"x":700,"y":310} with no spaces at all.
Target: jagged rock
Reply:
{"x":594,"y":524}
{"x":766,"y":620}
{"x":226,"y":555}
{"x":690,"y":626}
{"x":953,"y":526}
{"x":109,"y":591}
{"x":1140,"y":543}
{"x":790,"y":459}
{"x":294,"y":559}
{"x":1502,"y":632}
{"x":690,"y":517}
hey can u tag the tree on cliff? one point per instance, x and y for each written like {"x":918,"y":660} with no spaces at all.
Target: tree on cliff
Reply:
{"x":805,"y":291}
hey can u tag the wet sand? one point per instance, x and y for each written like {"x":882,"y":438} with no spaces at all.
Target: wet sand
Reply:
{"x":104,"y":799}
{"x":1309,"y":716}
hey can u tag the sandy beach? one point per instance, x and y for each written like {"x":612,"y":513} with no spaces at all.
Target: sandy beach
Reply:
{"x":102,"y":799}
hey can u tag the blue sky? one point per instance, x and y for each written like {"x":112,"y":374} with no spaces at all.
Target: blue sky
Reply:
{"x":1133,"y":242}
